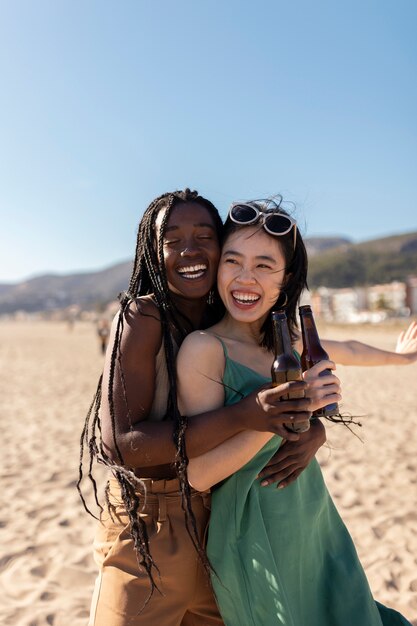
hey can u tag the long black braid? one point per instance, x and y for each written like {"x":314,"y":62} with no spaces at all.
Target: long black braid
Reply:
{"x":148,"y":277}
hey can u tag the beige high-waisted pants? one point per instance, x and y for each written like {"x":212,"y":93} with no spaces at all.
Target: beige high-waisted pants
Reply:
{"x":122,"y":586}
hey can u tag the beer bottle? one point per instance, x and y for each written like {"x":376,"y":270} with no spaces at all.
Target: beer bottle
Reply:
{"x":286,"y":366}
{"x":313,"y":352}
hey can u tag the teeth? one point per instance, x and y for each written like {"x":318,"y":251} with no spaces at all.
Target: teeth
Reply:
{"x":192,"y":268}
{"x":245,"y":298}
{"x":193,"y":271}
{"x":193,"y":275}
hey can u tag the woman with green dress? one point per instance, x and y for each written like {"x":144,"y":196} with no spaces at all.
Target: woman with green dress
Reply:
{"x":279,"y":556}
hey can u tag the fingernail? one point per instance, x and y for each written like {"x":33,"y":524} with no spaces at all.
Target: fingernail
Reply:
{"x":264,"y":483}
{"x":281,"y":486}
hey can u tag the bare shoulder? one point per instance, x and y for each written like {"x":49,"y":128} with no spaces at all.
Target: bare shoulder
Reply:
{"x":204,"y":341}
{"x":143,"y":308}
{"x":140,"y":325}
{"x":203,"y":351}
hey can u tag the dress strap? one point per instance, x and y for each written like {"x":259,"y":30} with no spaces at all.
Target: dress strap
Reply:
{"x":226,"y":355}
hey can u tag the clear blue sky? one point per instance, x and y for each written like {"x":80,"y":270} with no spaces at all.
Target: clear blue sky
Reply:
{"x":105,"y":105}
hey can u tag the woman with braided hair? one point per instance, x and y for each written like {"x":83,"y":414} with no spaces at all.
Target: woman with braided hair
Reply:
{"x":150,"y":541}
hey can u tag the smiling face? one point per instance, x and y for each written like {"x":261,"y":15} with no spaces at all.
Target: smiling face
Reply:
{"x":251,"y":273}
{"x":191,"y":249}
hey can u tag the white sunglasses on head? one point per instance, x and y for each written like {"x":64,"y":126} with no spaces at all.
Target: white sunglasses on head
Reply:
{"x":273,"y":220}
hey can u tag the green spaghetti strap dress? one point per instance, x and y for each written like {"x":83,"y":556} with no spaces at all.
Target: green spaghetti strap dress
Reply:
{"x":284,"y":557}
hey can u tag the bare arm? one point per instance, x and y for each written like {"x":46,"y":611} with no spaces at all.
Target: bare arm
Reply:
{"x":227,"y":458}
{"x":143,"y":443}
{"x":200,"y":367}
{"x":293,"y":457}
{"x":357,"y":353}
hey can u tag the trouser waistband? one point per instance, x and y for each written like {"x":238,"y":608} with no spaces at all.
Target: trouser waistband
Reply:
{"x":159,"y":493}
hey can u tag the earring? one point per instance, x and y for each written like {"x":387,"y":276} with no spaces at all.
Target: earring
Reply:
{"x":210,"y":299}
{"x":282,"y":305}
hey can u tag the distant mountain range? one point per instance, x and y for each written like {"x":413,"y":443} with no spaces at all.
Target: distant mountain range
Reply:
{"x":367,"y":263}
{"x":52,"y":291}
{"x":333,"y":262}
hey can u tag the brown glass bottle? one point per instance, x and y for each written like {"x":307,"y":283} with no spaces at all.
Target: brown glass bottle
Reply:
{"x":313,"y":352}
{"x":286,"y":366}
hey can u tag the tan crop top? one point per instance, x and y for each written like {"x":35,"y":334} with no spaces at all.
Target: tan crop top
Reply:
{"x":160,"y":401}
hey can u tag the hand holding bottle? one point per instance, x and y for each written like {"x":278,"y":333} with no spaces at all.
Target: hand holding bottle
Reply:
{"x":286,"y":366}
{"x":269,"y":409}
{"x":313,"y":354}
{"x":322,"y":391}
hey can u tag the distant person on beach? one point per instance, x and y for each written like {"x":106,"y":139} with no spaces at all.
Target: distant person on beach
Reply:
{"x":103,"y":333}
{"x":152,"y":532}
{"x":152,"y":535}
{"x":279,"y":557}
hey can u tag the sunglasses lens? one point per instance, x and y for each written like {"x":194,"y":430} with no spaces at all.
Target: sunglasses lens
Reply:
{"x":243,"y":214}
{"x":278,"y":224}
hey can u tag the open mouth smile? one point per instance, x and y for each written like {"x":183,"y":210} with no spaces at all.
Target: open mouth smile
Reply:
{"x":192,"y":272}
{"x":244,"y":298}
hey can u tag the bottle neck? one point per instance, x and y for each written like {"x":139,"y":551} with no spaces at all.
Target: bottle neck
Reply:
{"x":309,"y":330}
{"x":282,"y":339}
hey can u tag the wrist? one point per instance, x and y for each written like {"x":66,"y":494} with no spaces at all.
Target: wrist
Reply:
{"x":243,"y":416}
{"x":252,"y":411}
{"x":318,"y":429}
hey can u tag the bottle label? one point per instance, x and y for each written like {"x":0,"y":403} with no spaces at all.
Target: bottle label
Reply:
{"x":299,"y":427}
{"x":284,"y":377}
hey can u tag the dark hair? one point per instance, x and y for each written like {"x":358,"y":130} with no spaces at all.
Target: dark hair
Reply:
{"x":149,"y":277}
{"x":296,"y":265}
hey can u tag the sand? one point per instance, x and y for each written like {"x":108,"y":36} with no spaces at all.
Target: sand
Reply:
{"x":48,"y":375}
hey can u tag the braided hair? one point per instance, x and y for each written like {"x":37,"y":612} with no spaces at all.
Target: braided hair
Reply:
{"x":148,"y":277}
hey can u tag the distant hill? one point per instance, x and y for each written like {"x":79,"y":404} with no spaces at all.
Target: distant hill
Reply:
{"x":366,"y":263}
{"x":53,"y":291}
{"x":316,"y":245}
{"x":333,"y":262}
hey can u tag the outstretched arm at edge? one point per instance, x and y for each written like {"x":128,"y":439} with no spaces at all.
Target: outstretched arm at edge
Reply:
{"x":358,"y":353}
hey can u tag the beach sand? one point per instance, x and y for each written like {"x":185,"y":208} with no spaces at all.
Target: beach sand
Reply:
{"x":49,"y":374}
